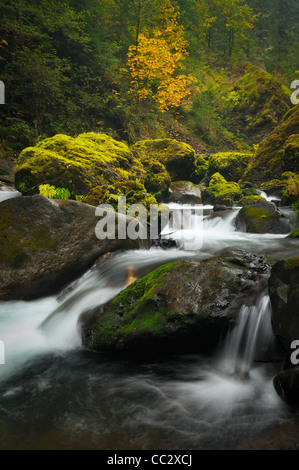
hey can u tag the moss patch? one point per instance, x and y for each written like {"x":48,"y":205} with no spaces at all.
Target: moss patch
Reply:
{"x":231,"y":165}
{"x":222,"y":192}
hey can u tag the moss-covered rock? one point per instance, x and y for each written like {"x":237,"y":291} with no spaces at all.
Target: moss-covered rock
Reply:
{"x":221,"y":192}
{"x":77,"y":164}
{"x":261,"y":217}
{"x":178,"y":158}
{"x":231,"y":165}
{"x":277,"y":153}
{"x":294,"y":234}
{"x":202,"y":167}
{"x":248,"y":200}
{"x":181,"y":306}
{"x":290,"y":193}
{"x":185,"y":192}
{"x":255,"y":103}
{"x":46,"y":244}
{"x":134,"y":191}
{"x":284,"y":295}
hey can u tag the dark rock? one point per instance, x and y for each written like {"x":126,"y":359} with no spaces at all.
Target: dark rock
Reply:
{"x":286,"y":385}
{"x":220,"y":208}
{"x":180,"y":307}
{"x":261,"y":217}
{"x":185,"y":192}
{"x":45,"y":244}
{"x":284,"y":296}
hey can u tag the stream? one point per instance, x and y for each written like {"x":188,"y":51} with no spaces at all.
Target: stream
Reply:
{"x":56,"y":394}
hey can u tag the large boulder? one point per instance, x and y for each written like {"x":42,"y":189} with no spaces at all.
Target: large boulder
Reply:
{"x":178,"y":158}
{"x":278,"y":153}
{"x":183,"y":306}
{"x":231,"y":165}
{"x":221,"y":192}
{"x":261,"y":217}
{"x":44,"y":244}
{"x":184,"y":192}
{"x":83,"y":163}
{"x":284,"y":296}
{"x":286,"y":385}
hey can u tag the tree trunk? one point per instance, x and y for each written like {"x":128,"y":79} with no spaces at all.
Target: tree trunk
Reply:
{"x":138,"y":25}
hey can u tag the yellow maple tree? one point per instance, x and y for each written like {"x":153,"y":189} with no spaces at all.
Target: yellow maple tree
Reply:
{"x":156,"y":59}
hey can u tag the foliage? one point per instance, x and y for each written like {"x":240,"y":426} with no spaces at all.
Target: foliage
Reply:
{"x":154,"y":61}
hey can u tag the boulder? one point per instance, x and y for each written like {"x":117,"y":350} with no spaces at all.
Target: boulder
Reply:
{"x":181,"y":307}
{"x":185,"y":192}
{"x":45,"y":244}
{"x":277,"y":153}
{"x":231,"y":165}
{"x":286,"y":385}
{"x":221,"y":192}
{"x":284,"y":296}
{"x":178,"y":158}
{"x":261,"y":217}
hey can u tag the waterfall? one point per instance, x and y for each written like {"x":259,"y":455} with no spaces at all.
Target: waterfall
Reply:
{"x":251,"y":339}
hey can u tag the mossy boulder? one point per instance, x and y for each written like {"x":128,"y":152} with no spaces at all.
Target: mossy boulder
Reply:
{"x":221,"y":192}
{"x":261,"y":217}
{"x":290,"y":193}
{"x":134,"y":191}
{"x":231,"y":165}
{"x":183,"y":306}
{"x":284,"y":295}
{"x":255,"y":103}
{"x":178,"y":158}
{"x":202,"y":167}
{"x":185,"y":192}
{"x":294,"y":234}
{"x":248,"y":200}
{"x":46,"y":244}
{"x":277,"y":153}
{"x":77,"y":164}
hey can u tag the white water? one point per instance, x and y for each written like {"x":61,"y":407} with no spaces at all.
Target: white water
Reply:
{"x":229,"y":391}
{"x":8,"y":193}
{"x":268,"y":198}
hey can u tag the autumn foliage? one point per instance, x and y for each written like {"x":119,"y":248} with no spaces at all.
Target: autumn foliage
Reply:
{"x":155,"y":61}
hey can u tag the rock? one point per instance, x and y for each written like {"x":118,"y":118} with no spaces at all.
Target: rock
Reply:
{"x":249,"y":200}
{"x":294,"y":234}
{"x":277,"y":153}
{"x":290,"y":193}
{"x":220,"y":208}
{"x":178,"y":158}
{"x":184,"y":192}
{"x":181,"y":307}
{"x":284,"y":296}
{"x":45,"y":244}
{"x":221,"y":192}
{"x":83,"y":163}
{"x":261,"y":217}
{"x":6,"y":168}
{"x":231,"y":165}
{"x":286,"y":385}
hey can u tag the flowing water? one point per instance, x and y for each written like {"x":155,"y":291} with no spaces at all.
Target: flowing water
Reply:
{"x":55,"y":394}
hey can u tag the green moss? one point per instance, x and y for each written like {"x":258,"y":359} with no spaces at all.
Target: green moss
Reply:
{"x":256,"y":219}
{"x":178,"y":158}
{"x":222,"y":192}
{"x":77,"y":164}
{"x":292,"y":263}
{"x":247,"y":200}
{"x":231,"y":165}
{"x":201,"y":166}
{"x":41,"y":240}
{"x":290,"y":193}
{"x":134,"y":191}
{"x":277,"y":153}
{"x":294,"y":234}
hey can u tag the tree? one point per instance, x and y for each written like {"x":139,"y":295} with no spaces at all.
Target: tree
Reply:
{"x":154,"y":62}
